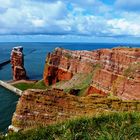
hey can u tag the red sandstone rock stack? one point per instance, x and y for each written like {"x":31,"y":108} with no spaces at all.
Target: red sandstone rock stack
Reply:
{"x":116,"y":71}
{"x":17,"y":62}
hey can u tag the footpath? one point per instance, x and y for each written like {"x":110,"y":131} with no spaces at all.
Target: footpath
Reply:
{"x":11,"y":88}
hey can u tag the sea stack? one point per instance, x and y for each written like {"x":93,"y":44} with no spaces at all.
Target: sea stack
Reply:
{"x":17,"y":62}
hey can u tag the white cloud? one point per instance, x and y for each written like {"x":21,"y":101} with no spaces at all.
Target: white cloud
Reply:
{"x":38,"y":22}
{"x":28,"y":17}
{"x":124,"y":27}
{"x":55,"y":18}
{"x":5,"y":3}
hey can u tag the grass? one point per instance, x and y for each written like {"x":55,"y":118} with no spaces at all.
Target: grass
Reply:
{"x":83,"y":85}
{"x":39,"y":85}
{"x":131,"y":70}
{"x":24,"y":86}
{"x":116,"y":126}
{"x":79,"y":82}
{"x":86,"y":81}
{"x":67,"y":55}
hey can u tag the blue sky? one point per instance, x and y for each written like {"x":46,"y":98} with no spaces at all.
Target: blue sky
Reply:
{"x":70,"y":20}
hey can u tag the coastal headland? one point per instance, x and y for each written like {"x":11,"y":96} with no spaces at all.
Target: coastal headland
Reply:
{"x":80,"y":83}
{"x":110,"y":71}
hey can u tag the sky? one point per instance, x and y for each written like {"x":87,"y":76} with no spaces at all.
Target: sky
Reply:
{"x":70,"y":21}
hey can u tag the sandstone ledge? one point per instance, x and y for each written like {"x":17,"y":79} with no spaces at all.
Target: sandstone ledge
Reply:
{"x":39,"y":107}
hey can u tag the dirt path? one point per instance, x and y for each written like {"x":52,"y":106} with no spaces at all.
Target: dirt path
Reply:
{"x":22,"y":81}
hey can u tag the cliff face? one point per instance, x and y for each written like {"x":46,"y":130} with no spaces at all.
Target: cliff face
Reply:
{"x":114,"y":71}
{"x":38,"y":107}
{"x":106,"y":71}
{"x":17,"y":62}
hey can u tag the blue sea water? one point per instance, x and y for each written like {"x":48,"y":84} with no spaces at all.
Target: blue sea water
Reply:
{"x":34,"y":60}
{"x":8,"y":101}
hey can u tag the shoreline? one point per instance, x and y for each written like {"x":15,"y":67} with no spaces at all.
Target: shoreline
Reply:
{"x":12,"y":82}
{"x":28,"y":84}
{"x":11,"y":88}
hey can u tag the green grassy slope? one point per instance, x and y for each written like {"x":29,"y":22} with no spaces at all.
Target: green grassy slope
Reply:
{"x":76,"y":83}
{"x":24,"y":86}
{"x":117,"y":126}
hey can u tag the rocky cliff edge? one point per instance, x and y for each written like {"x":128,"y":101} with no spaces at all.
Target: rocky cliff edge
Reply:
{"x":114,"y":71}
{"x":42,"y":108}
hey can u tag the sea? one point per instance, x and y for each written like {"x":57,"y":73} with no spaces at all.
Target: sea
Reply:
{"x":34,"y":59}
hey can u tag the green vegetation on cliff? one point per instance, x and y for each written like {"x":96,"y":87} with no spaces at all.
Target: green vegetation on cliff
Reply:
{"x":25,"y":85}
{"x":132,"y":70}
{"x":116,"y":126}
{"x":79,"y":82}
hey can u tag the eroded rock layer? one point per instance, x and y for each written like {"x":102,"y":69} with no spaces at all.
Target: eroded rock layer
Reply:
{"x":17,"y":62}
{"x":115,"y":71}
{"x":38,"y":107}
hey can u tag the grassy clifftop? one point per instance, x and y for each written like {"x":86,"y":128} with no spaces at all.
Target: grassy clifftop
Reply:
{"x":30,"y":85}
{"x":116,"y":126}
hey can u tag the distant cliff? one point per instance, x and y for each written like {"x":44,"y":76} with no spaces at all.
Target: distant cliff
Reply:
{"x":114,"y":71}
{"x":17,"y":62}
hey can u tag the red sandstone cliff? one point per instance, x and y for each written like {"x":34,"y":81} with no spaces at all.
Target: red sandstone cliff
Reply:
{"x":106,"y":71}
{"x":115,"y":71}
{"x":47,"y":107}
{"x":17,"y":62}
